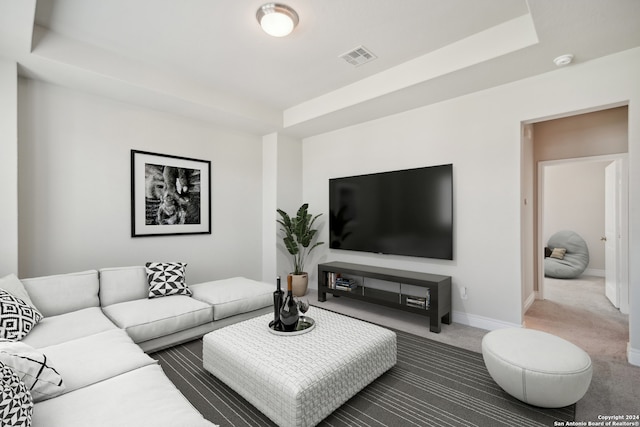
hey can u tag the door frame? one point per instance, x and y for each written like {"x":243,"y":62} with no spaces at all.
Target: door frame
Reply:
{"x":623,"y":226}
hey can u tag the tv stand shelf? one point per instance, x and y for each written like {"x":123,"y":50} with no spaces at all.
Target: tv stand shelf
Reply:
{"x":438,"y":289}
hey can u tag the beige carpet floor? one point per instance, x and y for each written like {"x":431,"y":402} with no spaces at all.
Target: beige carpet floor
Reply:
{"x":576,"y":310}
{"x":579,"y":311}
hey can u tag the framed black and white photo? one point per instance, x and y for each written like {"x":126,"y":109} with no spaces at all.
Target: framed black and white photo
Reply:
{"x":169,"y":195}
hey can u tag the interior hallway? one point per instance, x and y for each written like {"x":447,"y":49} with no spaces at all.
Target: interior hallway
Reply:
{"x":578,"y":311}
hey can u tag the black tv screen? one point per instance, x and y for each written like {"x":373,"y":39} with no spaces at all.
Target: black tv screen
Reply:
{"x":405,"y":212}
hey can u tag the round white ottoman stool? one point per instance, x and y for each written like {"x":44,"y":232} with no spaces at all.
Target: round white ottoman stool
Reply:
{"x":536,"y":367}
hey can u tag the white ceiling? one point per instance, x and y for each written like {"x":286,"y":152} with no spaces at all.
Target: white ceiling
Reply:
{"x":209,"y":59}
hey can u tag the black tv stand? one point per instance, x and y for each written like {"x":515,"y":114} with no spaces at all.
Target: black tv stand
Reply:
{"x":437,"y":294}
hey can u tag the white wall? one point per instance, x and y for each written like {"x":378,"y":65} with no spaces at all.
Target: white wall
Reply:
{"x":269,"y":205}
{"x":484,"y":150}
{"x":574,"y":200}
{"x":481,"y":135}
{"x":74,"y":182}
{"x":9,"y":167}
{"x":289,"y":196}
{"x":282,"y":189}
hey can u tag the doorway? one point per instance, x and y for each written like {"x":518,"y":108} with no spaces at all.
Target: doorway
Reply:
{"x":588,"y":196}
{"x":573,"y":195}
{"x":601,"y":134}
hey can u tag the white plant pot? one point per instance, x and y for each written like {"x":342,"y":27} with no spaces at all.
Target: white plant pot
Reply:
{"x":299,"y":284}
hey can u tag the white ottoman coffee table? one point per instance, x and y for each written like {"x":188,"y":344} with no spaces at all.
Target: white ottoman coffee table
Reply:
{"x":538,"y":368}
{"x":299,"y":380}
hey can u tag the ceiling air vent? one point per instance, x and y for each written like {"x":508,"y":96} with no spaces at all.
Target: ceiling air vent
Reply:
{"x":358,"y":56}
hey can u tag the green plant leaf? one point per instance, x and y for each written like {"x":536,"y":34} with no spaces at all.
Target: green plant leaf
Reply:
{"x":291,"y":245}
{"x":298,"y":234}
{"x":314,"y":246}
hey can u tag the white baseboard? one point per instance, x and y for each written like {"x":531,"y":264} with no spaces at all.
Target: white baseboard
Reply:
{"x":481,"y":321}
{"x":633,"y":355}
{"x":529,"y":301}
{"x":593,"y":272}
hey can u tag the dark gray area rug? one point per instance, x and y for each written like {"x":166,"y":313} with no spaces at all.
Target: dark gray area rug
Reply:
{"x":433,"y":384}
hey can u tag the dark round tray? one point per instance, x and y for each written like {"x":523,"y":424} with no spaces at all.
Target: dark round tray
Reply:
{"x":305,"y":324}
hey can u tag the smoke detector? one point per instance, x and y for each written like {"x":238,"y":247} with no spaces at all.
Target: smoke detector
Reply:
{"x":358,"y":56}
{"x":563,"y":60}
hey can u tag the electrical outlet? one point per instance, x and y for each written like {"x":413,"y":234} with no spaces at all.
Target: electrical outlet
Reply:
{"x":463,"y":292}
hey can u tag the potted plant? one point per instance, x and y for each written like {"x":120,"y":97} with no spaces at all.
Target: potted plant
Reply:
{"x":298,"y":239}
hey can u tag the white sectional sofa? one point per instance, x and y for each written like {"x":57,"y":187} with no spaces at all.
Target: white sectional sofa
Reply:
{"x":161,"y":322}
{"x":96,"y":328}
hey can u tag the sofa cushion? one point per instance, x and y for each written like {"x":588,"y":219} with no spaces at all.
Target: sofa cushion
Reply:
{"x":94,"y":358}
{"x":144,"y":397}
{"x":16,"y":404}
{"x":68,"y":326}
{"x":14,"y":286}
{"x":233,"y":296}
{"x":152,"y":318}
{"x":34,"y":369}
{"x":167,"y":278}
{"x":17,"y":318}
{"x":73,"y":291}
{"x":122,"y":284}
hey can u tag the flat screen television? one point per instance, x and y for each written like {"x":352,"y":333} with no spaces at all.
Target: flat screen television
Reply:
{"x":405,"y":212}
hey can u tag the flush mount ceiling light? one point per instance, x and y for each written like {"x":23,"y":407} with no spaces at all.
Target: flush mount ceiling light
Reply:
{"x":563,"y":60}
{"x":277,"y":19}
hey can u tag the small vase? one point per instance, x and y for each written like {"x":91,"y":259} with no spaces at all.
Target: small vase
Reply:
{"x":300,"y":284}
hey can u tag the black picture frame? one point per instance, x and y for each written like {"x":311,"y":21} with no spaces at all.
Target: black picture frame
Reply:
{"x":170,"y":195}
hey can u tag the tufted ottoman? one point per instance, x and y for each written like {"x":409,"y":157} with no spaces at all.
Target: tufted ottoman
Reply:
{"x":536,"y":367}
{"x":298,"y":380}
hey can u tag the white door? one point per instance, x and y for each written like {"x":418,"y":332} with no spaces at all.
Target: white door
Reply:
{"x":612,"y":282}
